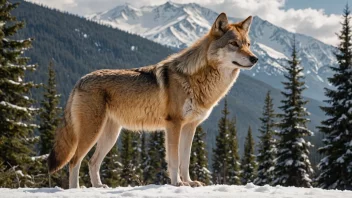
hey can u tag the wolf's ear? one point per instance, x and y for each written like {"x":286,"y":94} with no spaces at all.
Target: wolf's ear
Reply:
{"x":219,"y":26}
{"x":246,"y":24}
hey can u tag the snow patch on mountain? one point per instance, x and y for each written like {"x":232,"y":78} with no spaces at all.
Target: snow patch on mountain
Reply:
{"x":272,"y":53}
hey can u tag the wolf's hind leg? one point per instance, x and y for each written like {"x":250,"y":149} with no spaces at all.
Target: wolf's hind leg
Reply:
{"x":74,"y":174}
{"x":89,"y":118}
{"x":106,"y":141}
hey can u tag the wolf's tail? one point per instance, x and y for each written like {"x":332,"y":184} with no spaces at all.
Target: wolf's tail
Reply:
{"x":65,"y":142}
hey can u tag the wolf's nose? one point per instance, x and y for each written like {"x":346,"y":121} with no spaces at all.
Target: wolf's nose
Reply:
{"x":253,"y":59}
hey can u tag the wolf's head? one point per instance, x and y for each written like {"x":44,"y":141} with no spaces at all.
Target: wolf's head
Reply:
{"x":230,"y":45}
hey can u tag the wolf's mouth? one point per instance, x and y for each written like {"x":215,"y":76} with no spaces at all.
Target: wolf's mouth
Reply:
{"x":236,"y":63}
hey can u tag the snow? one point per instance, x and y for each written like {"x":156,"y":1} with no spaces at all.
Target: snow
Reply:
{"x":40,"y":157}
{"x":320,"y":78}
{"x":300,"y":142}
{"x":7,"y":104}
{"x":271,"y":52}
{"x":288,"y":162}
{"x":272,"y":168}
{"x":150,"y":191}
{"x":340,"y":160}
{"x":342,"y":117}
{"x":12,"y":82}
{"x":19,"y":172}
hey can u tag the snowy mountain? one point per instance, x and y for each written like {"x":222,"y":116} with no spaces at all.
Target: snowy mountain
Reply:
{"x":176,"y":25}
{"x":179,"y":25}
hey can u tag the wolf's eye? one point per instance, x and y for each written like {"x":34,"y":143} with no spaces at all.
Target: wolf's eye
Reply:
{"x":249,"y":44}
{"x":234,"y":43}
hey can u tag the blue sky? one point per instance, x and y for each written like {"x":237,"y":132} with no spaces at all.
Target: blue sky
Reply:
{"x":317,"y":18}
{"x":330,"y":6}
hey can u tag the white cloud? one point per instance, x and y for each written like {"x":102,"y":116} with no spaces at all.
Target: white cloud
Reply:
{"x":307,"y":21}
{"x":58,"y":4}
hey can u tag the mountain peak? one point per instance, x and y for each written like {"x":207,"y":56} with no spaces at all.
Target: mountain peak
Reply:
{"x":127,"y":7}
{"x":173,"y":4}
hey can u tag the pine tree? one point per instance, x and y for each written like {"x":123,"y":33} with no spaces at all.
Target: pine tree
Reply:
{"x":144,"y":156}
{"x":111,"y":168}
{"x":233,"y":160}
{"x":293,"y":167}
{"x":162,"y":176}
{"x":267,"y":148}
{"x":248,"y":164}
{"x":49,"y":115}
{"x":156,"y":166}
{"x":152,"y":161}
{"x":136,"y":160}
{"x":128,"y":176}
{"x":49,"y":121}
{"x":6,"y":177}
{"x":198,"y":161}
{"x":16,"y":112}
{"x":336,"y":166}
{"x":220,"y":168}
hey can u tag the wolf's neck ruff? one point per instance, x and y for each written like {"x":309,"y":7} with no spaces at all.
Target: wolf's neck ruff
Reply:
{"x":210,"y":84}
{"x":191,"y":59}
{"x":204,"y":80}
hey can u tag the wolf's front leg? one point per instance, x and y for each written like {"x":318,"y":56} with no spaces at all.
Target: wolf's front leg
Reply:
{"x":187,"y":135}
{"x":173,"y":132}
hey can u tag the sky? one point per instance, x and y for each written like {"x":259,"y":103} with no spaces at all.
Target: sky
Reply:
{"x":317,"y":18}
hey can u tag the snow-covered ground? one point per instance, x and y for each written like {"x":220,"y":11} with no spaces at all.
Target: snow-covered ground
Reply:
{"x":221,"y":191}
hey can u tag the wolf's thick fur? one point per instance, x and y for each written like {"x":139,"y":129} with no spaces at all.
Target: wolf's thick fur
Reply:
{"x":175,"y":95}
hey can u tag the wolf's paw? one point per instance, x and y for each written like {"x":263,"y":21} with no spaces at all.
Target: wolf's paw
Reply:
{"x":196,"y":184}
{"x":101,"y":186}
{"x":182,"y":184}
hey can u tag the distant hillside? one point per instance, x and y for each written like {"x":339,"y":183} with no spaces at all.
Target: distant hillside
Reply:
{"x":79,"y":46}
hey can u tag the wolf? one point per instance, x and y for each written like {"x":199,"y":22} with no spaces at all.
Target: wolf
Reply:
{"x":174,"y":95}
